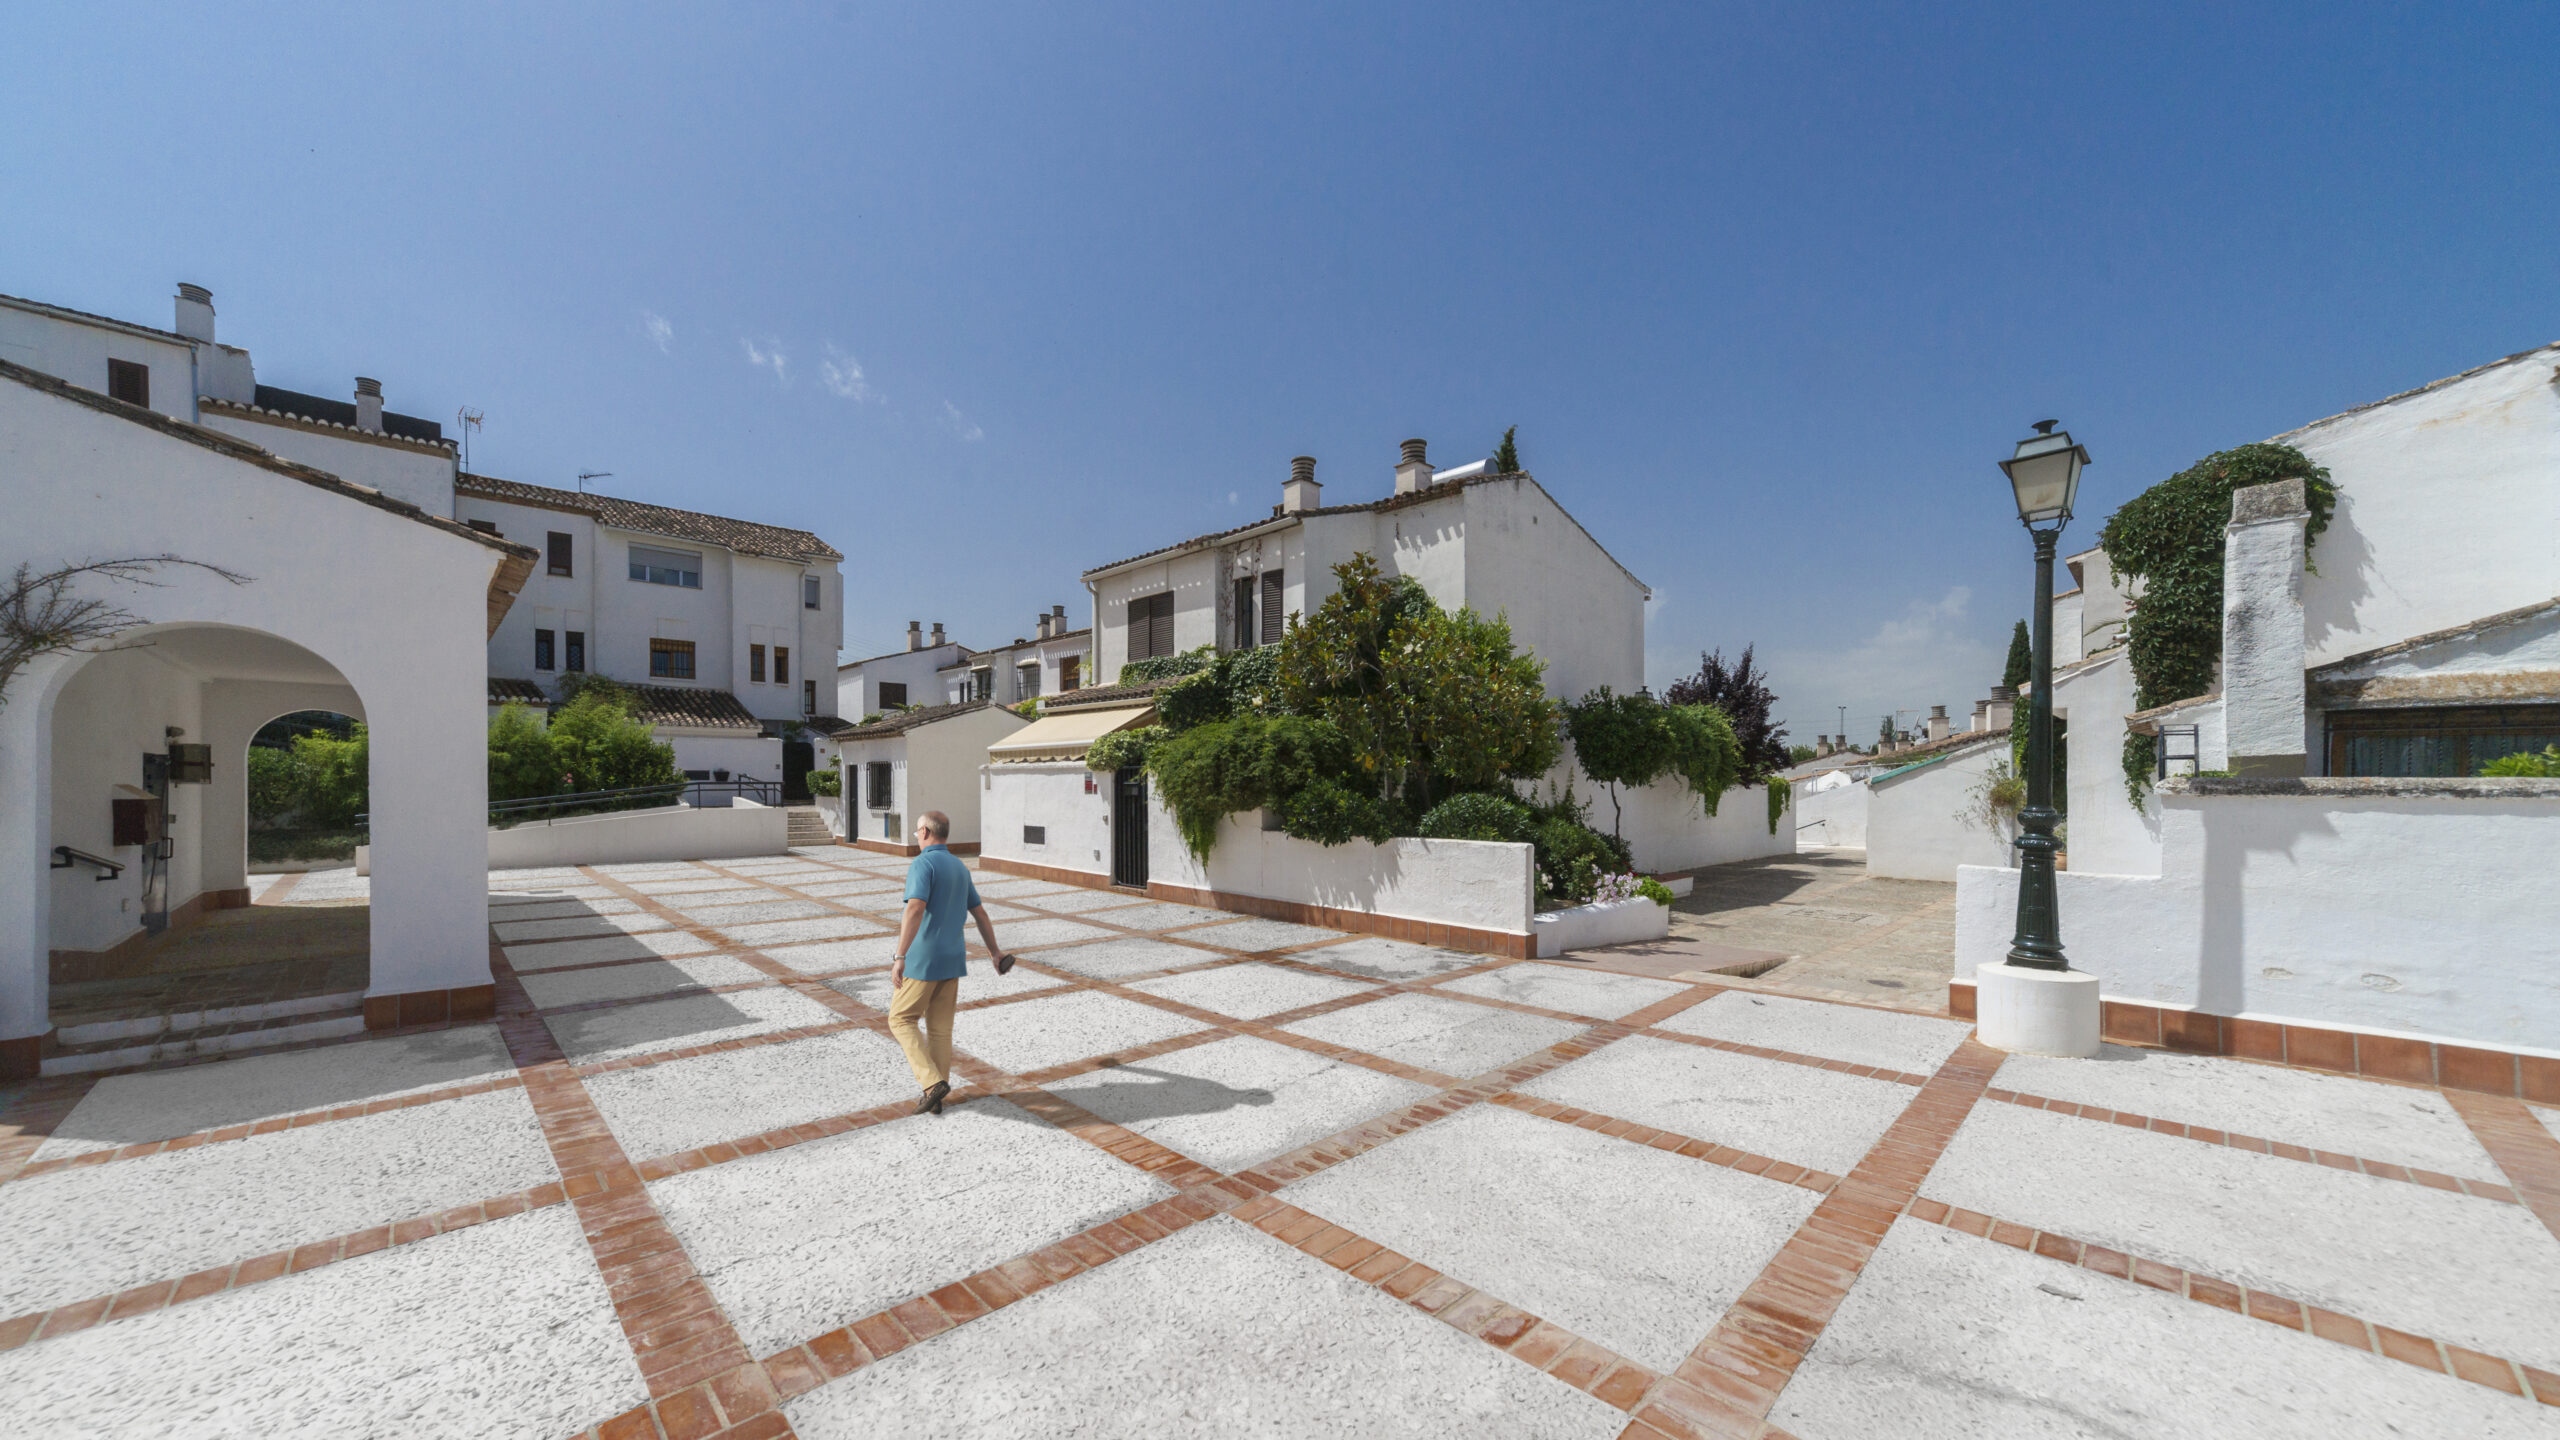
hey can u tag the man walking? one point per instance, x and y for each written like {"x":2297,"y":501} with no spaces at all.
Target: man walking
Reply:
{"x":932,"y":956}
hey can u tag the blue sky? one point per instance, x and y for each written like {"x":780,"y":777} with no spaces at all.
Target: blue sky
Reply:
{"x":986,"y":295}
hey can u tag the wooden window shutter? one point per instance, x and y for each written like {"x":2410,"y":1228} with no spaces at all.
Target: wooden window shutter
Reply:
{"x":1273,"y":616}
{"x":1160,"y":628}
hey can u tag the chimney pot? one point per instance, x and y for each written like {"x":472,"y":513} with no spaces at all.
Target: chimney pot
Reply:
{"x":195,"y":312}
{"x":368,"y":404}
{"x":937,"y":632}
{"x":915,"y":635}
{"x":1413,"y":472}
{"x":1301,"y":492}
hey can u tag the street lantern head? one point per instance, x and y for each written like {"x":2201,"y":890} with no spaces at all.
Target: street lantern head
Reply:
{"x":2045,"y":473}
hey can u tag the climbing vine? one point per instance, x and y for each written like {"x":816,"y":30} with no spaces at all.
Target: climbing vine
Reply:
{"x":2170,"y":537}
{"x":1777,"y":801}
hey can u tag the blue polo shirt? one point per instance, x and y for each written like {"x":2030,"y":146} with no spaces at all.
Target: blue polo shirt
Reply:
{"x":940,"y":951}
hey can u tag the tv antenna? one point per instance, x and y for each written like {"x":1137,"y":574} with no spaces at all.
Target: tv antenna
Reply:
{"x":586,"y":475}
{"x":466,"y":420}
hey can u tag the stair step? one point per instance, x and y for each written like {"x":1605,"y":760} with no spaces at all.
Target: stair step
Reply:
{"x":74,"y":1059}
{"x":145,"y":1027}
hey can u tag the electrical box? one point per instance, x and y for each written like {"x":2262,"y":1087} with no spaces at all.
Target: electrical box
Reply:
{"x":155,"y":773}
{"x":190,"y":764}
{"x":132,"y":821}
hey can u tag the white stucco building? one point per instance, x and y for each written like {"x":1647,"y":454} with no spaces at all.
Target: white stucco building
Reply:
{"x":927,"y":758}
{"x":1053,"y":660}
{"x":908,"y":676}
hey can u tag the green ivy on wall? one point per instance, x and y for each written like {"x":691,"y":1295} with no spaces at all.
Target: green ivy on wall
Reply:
{"x":1777,"y":801}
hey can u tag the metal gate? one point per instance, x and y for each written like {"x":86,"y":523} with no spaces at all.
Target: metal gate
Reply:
{"x":1129,"y":827}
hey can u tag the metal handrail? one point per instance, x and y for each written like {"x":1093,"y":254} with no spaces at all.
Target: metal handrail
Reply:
{"x":64,"y":857}
{"x":629,"y":797}
{"x":2195,"y":747}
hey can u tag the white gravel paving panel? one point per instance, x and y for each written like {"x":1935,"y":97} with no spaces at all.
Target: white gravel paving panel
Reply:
{"x":164,"y":1104}
{"x":795,"y":1242}
{"x":1037,"y":1034}
{"x":705,"y":890}
{"x":838,"y":889}
{"x":576,"y":926}
{"x":551,"y":890}
{"x":1251,"y":991}
{"x":1816,"y":1118}
{"x":560,"y":909}
{"x":72,"y":1234}
{"x":1948,"y":1335}
{"x":753,"y":911}
{"x":2398,"y":1123}
{"x":705,"y":1099}
{"x":501,"y":1330}
{"x":1233,"y":1103}
{"x":875,"y":989}
{"x":1257,"y":935}
{"x":1078,"y":902}
{"x":836,"y":955}
{"x":1217,"y":1330}
{"x":2474,"y":1272}
{"x":1450,"y":1036}
{"x":1596,"y":993}
{"x":1379,"y":958}
{"x":1631,"y":1247}
{"x":1165,"y":917}
{"x":795,"y":932}
{"x":588,"y":1036}
{"x":1026,"y":934}
{"x":339,"y":884}
{"x":1912,"y":1044}
{"x":991,"y":888}
{"x":610,"y":947}
{"x":551,"y":990}
{"x":1111,"y":959}
{"x":650,"y":869}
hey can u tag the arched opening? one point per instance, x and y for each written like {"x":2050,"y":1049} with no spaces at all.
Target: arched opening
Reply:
{"x":158,"y":945}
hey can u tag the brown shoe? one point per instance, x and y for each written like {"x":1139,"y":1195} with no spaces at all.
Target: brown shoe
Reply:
{"x":931,"y":1104}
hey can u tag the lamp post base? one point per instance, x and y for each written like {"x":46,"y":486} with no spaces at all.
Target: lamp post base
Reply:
{"x":2036,"y":1012}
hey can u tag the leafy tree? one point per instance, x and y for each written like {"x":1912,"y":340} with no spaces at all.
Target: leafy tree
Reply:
{"x":2526,"y":763}
{"x":2022,"y":659}
{"x":1208,"y":772}
{"x":602,"y":746}
{"x":1798,"y":754}
{"x":1743,"y":694}
{"x":1627,"y":740}
{"x":1506,"y":456}
{"x":1884,"y":733}
{"x":523,"y":763}
{"x":331,"y":777}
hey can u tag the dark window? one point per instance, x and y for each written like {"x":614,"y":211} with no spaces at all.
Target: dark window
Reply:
{"x":541,"y":649}
{"x":697,"y":774}
{"x":1026,"y":680}
{"x":1240,"y":637}
{"x":876,"y":783}
{"x":485,"y":527}
{"x":1274,"y":618}
{"x":892,"y":696}
{"x":1035,"y":834}
{"x":1151,"y":626}
{"x":577,"y":650}
{"x":982,"y":684}
{"x":671,"y":659}
{"x":781,"y":664}
{"x":129,"y":381}
{"x":755,"y":663}
{"x":1069,"y":668}
{"x":809,"y":598}
{"x":2436,"y":742}
{"x":808,"y":697}
{"x":558,"y":547}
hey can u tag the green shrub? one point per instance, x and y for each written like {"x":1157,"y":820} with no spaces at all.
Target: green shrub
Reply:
{"x":330,"y":778}
{"x":1655,"y":891}
{"x":2526,"y":764}
{"x":274,"y":785}
{"x":1161,"y":667}
{"x":1571,"y":856}
{"x":1208,"y":772}
{"x":1635,"y":739}
{"x":1330,"y":813}
{"x":824,"y":780}
{"x":1123,"y":749}
{"x":523,"y":763}
{"x":1196,"y":699}
{"x":602,"y":747}
{"x":1777,"y":801}
{"x":1478,"y":815}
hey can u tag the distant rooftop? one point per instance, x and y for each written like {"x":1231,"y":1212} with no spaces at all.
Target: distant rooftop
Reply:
{"x":744,"y":536}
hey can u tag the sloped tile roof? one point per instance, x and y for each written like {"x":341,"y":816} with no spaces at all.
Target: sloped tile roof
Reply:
{"x":906,"y":720}
{"x":523,"y":692}
{"x":1092,"y":695}
{"x":743,"y":536}
{"x":343,"y":412}
{"x":691,"y":709}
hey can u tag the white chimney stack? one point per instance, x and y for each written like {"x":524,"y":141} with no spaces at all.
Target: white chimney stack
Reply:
{"x":915,"y":635}
{"x":2262,"y":645}
{"x":195,"y":312}
{"x":1058,"y":620}
{"x":369,"y":404}
{"x":1301,"y":492}
{"x":2000,"y":708}
{"x":937,"y":633}
{"x":1938,"y":724}
{"x":1412,"y":471}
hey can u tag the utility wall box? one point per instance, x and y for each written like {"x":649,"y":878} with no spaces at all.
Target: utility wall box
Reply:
{"x":190,"y":764}
{"x":132,"y":821}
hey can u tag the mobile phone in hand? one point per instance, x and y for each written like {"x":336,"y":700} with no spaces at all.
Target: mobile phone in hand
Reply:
{"x":1004,"y":964}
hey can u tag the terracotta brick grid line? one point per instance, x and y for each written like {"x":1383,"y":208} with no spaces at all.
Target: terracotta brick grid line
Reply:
{"x":1726,"y":1387}
{"x":1792,"y":1057}
{"x":2259,"y":1145}
{"x":268,"y":1126}
{"x":1820,"y":1182}
{"x":2524,"y":1150}
{"x":33,"y":1118}
{"x":2443,"y":1357}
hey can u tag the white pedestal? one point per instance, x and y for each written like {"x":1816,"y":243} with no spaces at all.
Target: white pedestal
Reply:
{"x":2036,"y":1012}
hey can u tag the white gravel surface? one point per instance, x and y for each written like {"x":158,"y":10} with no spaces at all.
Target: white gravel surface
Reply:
{"x":1599,"y":994}
{"x":1164,"y":916}
{"x":1256,"y":936}
{"x":1037,"y":1034}
{"x":576,"y":925}
{"x":1027,"y":934}
{"x":835,"y":955}
{"x":796,"y":1242}
{"x":1113,"y":959}
{"x":1217,"y":1330}
{"x":164,"y":1104}
{"x":1379,"y":958}
{"x":704,"y":1099}
{"x":2399,"y":1123}
{"x":1634,"y":1248}
{"x":2475,"y":1272}
{"x":1912,"y":1044}
{"x":552,"y":890}
{"x":559,"y":909}
{"x":982,"y":983}
{"x":1951,"y":1337}
{"x":698,"y":889}
{"x":588,"y":1036}
{"x":991,"y":889}
{"x":536,"y":874}
{"x":72,"y":1234}
{"x":610,"y":947}
{"x":1450,"y":1036}
{"x":501,"y":1330}
{"x":840,"y":887}
{"x":552,"y":989}
{"x":1078,"y":902}
{"x":1251,"y":991}
{"x":801,"y":932}
{"x":1817,"y":1118}
{"x":753,"y":911}
{"x":339,"y":884}
{"x":1233,"y":1103}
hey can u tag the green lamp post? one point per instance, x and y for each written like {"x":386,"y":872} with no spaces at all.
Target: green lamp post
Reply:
{"x":2045,"y":473}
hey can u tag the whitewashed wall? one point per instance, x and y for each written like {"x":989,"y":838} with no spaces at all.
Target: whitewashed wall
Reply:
{"x":1482,"y":884}
{"x":114,"y":708}
{"x":1914,"y":825}
{"x":78,"y":351}
{"x":635,"y":837}
{"x":2344,"y":905}
{"x":751,"y":757}
{"x":2108,"y":835}
{"x":1668,"y":827}
{"x":1833,"y":816}
{"x":419,"y":473}
{"x":1052,"y":796}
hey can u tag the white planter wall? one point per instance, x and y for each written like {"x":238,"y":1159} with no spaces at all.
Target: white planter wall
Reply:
{"x":1619,"y":922}
{"x":1668,"y":827}
{"x":1914,"y":825}
{"x":1076,"y":826}
{"x":676,"y":833}
{"x":1481,"y":884}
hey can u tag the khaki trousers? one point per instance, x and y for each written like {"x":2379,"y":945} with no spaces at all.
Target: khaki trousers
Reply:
{"x":932,"y":1001}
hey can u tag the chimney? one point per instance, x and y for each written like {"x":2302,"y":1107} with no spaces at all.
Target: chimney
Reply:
{"x":368,"y":404}
{"x":1040,"y":626}
{"x":1938,"y":725}
{"x":1998,"y":710}
{"x":1058,"y":620}
{"x":1981,"y":709}
{"x":1821,"y":747}
{"x":1412,"y":471}
{"x":1301,"y":492}
{"x":915,"y":635}
{"x":937,"y":633}
{"x":195,"y":312}
{"x":2262,"y":643}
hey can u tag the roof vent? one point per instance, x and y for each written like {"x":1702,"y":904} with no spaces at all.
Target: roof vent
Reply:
{"x":1412,"y":471}
{"x":1301,"y":492}
{"x":368,"y":404}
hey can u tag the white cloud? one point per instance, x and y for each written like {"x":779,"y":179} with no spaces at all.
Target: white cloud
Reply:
{"x":655,"y":326}
{"x":1929,"y":654}
{"x":1231,"y":497}
{"x":959,"y":424}
{"x":842,"y":374}
{"x":768,"y":356}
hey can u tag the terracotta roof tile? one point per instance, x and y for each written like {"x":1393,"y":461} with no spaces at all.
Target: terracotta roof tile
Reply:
{"x":523,"y":692}
{"x":905,"y":720}
{"x":744,"y":536}
{"x":691,"y":709}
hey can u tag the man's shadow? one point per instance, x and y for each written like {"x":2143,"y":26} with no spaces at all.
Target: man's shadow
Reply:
{"x":1160,"y":1095}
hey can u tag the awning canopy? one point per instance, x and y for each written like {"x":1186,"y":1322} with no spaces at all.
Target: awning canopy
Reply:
{"x":1064,"y":737}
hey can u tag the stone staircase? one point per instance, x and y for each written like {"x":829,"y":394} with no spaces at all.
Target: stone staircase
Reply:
{"x":113,"y":1044}
{"x":808,"y":827}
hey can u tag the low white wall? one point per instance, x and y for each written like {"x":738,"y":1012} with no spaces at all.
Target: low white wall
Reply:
{"x":2413,"y":913}
{"x":1076,"y":826}
{"x":675,"y":833}
{"x":1837,"y":816}
{"x":745,"y":757}
{"x":1668,"y":827}
{"x":1619,"y":922}
{"x":830,"y":808}
{"x":1915,"y":829}
{"x":1481,"y":884}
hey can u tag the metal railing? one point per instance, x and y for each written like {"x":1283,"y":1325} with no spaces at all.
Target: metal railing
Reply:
{"x":2194,"y":755}
{"x":64,"y":857}
{"x":505,"y":814}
